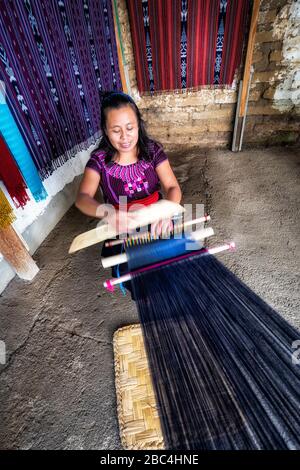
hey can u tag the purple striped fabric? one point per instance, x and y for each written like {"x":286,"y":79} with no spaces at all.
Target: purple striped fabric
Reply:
{"x":136,"y":181}
{"x":55,"y":58}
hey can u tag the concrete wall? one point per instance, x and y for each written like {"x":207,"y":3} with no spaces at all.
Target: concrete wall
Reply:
{"x":205,"y":117}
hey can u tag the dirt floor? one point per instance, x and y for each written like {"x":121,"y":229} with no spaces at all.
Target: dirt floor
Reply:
{"x":57,"y":388}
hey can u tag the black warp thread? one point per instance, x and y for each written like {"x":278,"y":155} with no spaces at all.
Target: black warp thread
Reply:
{"x":220,"y":359}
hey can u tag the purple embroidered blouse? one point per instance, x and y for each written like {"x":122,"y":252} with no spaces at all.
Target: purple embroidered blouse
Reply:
{"x":136,"y":180}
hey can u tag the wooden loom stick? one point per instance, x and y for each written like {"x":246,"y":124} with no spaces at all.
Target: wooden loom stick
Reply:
{"x":147,"y":235}
{"x":110,"y":283}
{"x":162,"y":209}
{"x":110,"y":261}
{"x":119,"y":50}
{"x":245,"y":83}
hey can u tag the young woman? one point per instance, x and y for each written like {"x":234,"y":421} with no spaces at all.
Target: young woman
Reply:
{"x":126,"y":163}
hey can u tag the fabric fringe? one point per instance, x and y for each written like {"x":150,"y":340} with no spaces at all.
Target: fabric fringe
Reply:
{"x":52,"y":166}
{"x":21,"y":197}
{"x":50,"y":118}
{"x":7,"y":216}
{"x":19,"y":152}
{"x":186,"y":43}
{"x":184,"y":91}
{"x":40,"y":195}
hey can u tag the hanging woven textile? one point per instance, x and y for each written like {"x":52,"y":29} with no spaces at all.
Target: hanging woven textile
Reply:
{"x":7,"y":216}
{"x":10,"y":175}
{"x":19,"y":151}
{"x":55,"y":58}
{"x":181,"y":44}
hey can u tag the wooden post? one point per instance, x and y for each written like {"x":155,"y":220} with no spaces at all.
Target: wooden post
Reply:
{"x":119,"y":49}
{"x":16,"y":254}
{"x":249,"y":55}
{"x":245,"y":82}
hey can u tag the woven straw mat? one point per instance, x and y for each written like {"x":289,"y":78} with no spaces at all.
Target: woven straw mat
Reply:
{"x":137,"y":412}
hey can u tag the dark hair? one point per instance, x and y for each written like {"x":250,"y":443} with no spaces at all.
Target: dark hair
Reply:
{"x":116,"y":100}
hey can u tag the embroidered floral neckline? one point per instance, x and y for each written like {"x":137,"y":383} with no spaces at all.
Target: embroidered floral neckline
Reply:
{"x":128,"y":164}
{"x":129,"y":172}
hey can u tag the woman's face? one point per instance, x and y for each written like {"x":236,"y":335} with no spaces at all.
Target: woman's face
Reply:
{"x":122,"y":128}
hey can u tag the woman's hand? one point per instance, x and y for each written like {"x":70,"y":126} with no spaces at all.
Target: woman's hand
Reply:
{"x":162,"y":228}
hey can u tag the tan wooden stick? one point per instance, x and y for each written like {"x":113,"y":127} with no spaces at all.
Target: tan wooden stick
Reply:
{"x":16,"y":254}
{"x":162,"y":209}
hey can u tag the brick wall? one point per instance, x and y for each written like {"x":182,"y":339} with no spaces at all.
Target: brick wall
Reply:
{"x":205,"y":117}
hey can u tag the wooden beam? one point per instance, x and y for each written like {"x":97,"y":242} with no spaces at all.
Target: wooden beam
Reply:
{"x":16,"y":254}
{"x":144,"y":216}
{"x":249,"y":55}
{"x":119,"y":49}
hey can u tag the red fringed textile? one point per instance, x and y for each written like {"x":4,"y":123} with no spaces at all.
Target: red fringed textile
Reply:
{"x":11,"y":177}
{"x":181,"y":44}
{"x":156,"y":32}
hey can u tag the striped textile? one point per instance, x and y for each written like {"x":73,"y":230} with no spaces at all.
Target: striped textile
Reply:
{"x":11,"y":176}
{"x":15,"y":143}
{"x":55,"y":58}
{"x":224,"y":364}
{"x":236,"y":16}
{"x":181,"y":44}
{"x":202,"y":31}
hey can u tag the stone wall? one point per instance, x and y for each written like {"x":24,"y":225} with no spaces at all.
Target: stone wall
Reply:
{"x":206,"y":117}
{"x":274,"y":102}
